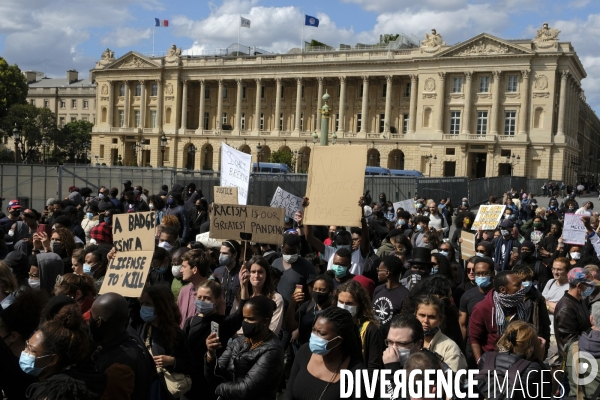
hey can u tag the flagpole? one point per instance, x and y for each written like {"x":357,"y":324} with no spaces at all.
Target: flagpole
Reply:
{"x":302,"y":43}
{"x":239,"y":28}
{"x":153,"y":30}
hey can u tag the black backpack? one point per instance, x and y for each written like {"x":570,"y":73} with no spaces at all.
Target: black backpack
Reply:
{"x":483,"y":383}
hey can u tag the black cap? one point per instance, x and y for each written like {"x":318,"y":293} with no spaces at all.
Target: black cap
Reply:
{"x":127,"y":183}
{"x":70,"y":210}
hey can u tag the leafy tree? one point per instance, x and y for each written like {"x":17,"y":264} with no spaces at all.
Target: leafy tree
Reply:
{"x":283,"y":157}
{"x":75,"y":138}
{"x":13,"y":87}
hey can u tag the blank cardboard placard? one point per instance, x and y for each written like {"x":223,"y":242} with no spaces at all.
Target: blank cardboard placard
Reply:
{"x":251,"y":223}
{"x":286,"y":200}
{"x":488,"y":217}
{"x":226,"y":195}
{"x":133,"y":237}
{"x":467,"y":247}
{"x":336,"y":179}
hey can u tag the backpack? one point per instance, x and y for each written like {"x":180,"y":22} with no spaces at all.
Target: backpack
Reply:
{"x":483,"y":383}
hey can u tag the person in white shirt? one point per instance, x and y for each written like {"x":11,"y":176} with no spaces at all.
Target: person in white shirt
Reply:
{"x":553,"y":292}
{"x":586,"y":209}
{"x":436,"y":219}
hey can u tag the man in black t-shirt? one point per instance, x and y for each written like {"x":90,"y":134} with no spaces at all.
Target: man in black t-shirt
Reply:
{"x":296,"y":270}
{"x":388,"y":298}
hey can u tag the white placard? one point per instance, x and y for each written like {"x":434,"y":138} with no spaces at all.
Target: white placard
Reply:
{"x":488,"y":217}
{"x":283,"y":199}
{"x":408,"y":205}
{"x":574,"y":231}
{"x":235,"y":171}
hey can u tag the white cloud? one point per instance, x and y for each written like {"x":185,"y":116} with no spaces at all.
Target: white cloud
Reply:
{"x":578,"y":3}
{"x":126,"y":37}
{"x":406,"y":5}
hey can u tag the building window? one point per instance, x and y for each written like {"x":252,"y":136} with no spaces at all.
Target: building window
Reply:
{"x":207,"y":93}
{"x":73,"y":104}
{"x":482,"y":122}
{"x":262,"y":121}
{"x":32,"y":102}
{"x":224,"y":119}
{"x":511,"y":85}
{"x":282,"y":87}
{"x":381,"y":123}
{"x":362,"y":88}
{"x":73,"y":119}
{"x":46,"y":104}
{"x":384,"y":90}
{"x":339,"y":91}
{"x":243,"y":122}
{"x":224,"y":92}
{"x":137,"y":114}
{"x":404,"y":123}
{"x":407,"y":89}
{"x":281,"y":121}
{"x":243,"y":92}
{"x":262,"y":92}
{"x":457,"y":84}
{"x":454,"y":122}
{"x":115,"y":141}
{"x":450,"y":151}
{"x":337,"y":122}
{"x":484,"y":84}
{"x":121,"y":118}
{"x":63,"y":104}
{"x":138,"y":90}
{"x":302,"y":91}
{"x":153,"y":119}
{"x":101,"y":151}
{"x":510,"y":120}
{"x":154,"y":89}
{"x":206,"y":117}
{"x":358,"y":122}
{"x":86,"y":104}
{"x":84,"y":118}
{"x":122,"y":90}
{"x":61,"y":122}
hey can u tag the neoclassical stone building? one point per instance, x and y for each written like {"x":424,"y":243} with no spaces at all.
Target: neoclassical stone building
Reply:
{"x":483,"y":107}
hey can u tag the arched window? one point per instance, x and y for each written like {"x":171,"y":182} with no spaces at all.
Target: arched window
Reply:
{"x":538,"y":118}
{"x":168,"y":115}
{"x":103,"y":114}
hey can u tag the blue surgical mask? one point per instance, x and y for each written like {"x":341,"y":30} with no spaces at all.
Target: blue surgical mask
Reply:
{"x":483,"y":281}
{"x":434,"y":271}
{"x":444,"y":253}
{"x":587,"y":292}
{"x":527,"y":286}
{"x":160,"y":270}
{"x":480,"y":254}
{"x":351,"y":309}
{"x":339,"y":270}
{"x":400,"y":222}
{"x":224,"y":260}
{"x":101,"y":196}
{"x":27,"y":364}
{"x":147,"y":313}
{"x":87,"y":269}
{"x":107,"y":220}
{"x":169,"y":201}
{"x":419,"y":228}
{"x":318,"y":345}
{"x":464,"y":203}
{"x":203,"y":307}
{"x":419,"y":205}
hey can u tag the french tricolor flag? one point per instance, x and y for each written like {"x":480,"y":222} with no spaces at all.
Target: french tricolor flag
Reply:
{"x":161,"y":22}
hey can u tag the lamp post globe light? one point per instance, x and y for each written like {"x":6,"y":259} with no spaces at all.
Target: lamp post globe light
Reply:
{"x":325,"y":113}
{"x":163,"y":144}
{"x":192,"y":152}
{"x":44,"y":145}
{"x":17,"y":138}
{"x":258,"y":155}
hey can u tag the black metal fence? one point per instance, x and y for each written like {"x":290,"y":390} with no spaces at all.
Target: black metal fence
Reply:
{"x":439,"y":188}
{"x":480,"y":190}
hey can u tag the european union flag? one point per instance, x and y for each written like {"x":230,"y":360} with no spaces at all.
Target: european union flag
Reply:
{"x":311,"y":21}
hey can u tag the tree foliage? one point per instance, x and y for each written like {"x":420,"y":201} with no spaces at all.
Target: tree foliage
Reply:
{"x":73,"y":139}
{"x":13,"y":87}
{"x":283,"y":157}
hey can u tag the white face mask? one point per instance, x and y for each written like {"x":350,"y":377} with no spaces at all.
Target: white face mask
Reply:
{"x":176,"y":271}
{"x":34,"y":283}
{"x":351,"y":309}
{"x":290,"y":258}
{"x":575,"y":256}
{"x":151,"y":206}
{"x":166,"y":245}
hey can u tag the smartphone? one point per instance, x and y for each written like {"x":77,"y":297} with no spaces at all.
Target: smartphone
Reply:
{"x":298,"y":289}
{"x":515,"y":250}
{"x":44,"y":228}
{"x":214,"y":328}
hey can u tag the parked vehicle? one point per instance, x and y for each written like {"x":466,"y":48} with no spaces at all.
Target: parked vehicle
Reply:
{"x":274,"y":168}
{"x":406,"y":172}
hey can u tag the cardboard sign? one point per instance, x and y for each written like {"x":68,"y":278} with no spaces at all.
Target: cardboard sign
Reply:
{"x":287,"y":201}
{"x":467,"y":247}
{"x":235,"y":171}
{"x":206,"y":240}
{"x":133,"y":237}
{"x":226,"y":195}
{"x":335,"y":184}
{"x":408,"y":205}
{"x":488,"y":217}
{"x":574,"y":231}
{"x":252,"y":223}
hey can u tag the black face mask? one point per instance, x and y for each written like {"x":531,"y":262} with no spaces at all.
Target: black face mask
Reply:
{"x":95,"y":333}
{"x":527,"y":257}
{"x":15,"y":213}
{"x":320,"y":298}
{"x":198,"y":207}
{"x":251,"y":330}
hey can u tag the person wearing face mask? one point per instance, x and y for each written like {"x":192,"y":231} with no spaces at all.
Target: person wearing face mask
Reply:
{"x":389,"y":297}
{"x":535,"y":305}
{"x":340,"y":272}
{"x":421,"y":226}
{"x":504,"y":244}
{"x":333,"y":346}
{"x":175,"y":207}
{"x":160,"y":268}
{"x":162,"y":337}
{"x":44,"y":268}
{"x":420,"y":267}
{"x":91,"y":220}
{"x":527,"y":257}
{"x":548,"y":246}
{"x":405,"y":337}
{"x":198,"y":215}
{"x":571,"y":316}
{"x":133,"y":203}
{"x":178,"y":283}
{"x":168,"y":238}
{"x":353,"y":297}
{"x":102,"y":233}
{"x":228,"y":271}
{"x":14,"y":215}
{"x":491,"y":316}
{"x":258,"y":367}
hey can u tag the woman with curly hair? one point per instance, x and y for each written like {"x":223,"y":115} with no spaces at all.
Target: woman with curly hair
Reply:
{"x":162,"y":336}
{"x":80,"y":288}
{"x":353,"y":297}
{"x":61,"y":242}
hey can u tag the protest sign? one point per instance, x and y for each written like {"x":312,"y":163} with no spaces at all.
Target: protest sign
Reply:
{"x":226,"y":195}
{"x":235,"y":171}
{"x":574,"y":231}
{"x":133,"y":237}
{"x":408,"y":205}
{"x":488,"y":217}
{"x":252,"y":223}
{"x":207,"y":241}
{"x":287,"y":201}
{"x":467,"y":247}
{"x":335,"y":184}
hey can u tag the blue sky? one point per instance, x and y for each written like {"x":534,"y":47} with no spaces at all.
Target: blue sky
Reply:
{"x":56,"y":35}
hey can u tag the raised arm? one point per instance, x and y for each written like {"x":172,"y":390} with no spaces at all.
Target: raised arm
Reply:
{"x":309,"y":235}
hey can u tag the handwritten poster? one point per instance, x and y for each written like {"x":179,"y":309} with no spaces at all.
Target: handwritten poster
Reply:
{"x":488,"y":217}
{"x":335,"y":184}
{"x":574,"y":231}
{"x":467,"y":247}
{"x":252,"y":223}
{"x":286,"y":200}
{"x":235,"y":171}
{"x":225,"y":195}
{"x":133,"y":237}
{"x":408,"y":205}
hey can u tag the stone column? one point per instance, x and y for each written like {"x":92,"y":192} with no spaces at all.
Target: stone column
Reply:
{"x":126,"y":108}
{"x":388,"y":103}
{"x":238,"y":106}
{"x":365,"y":104}
{"x":111,"y":104}
{"x":277,"y":104}
{"x":495,"y":102}
{"x":439,"y":126}
{"x":257,"y":105}
{"x":219,"y":106}
{"x":184,"y":105}
{"x":202,"y":105}
{"x":564,"y":76}
{"x":319,"y":101}
{"x":298,"y":104}
{"x":466,"y":125}
{"x":342,"y":108}
{"x":412,"y":112}
{"x":159,"y":106}
{"x":143,"y":105}
{"x":524,"y":103}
